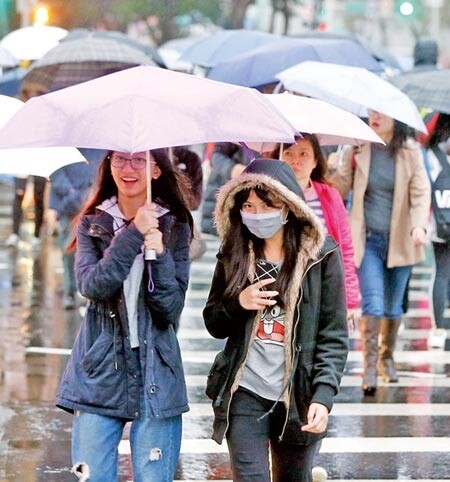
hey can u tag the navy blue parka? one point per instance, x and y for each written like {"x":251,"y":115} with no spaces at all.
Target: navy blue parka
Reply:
{"x":99,"y":377}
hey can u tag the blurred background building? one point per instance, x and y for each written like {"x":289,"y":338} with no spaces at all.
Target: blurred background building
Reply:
{"x":395,"y":24}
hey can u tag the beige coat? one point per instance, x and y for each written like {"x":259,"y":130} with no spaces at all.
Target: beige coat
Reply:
{"x":411,"y":204}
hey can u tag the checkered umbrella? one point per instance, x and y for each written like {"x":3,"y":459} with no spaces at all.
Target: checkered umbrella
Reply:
{"x":87,"y":58}
{"x":429,"y":88}
{"x":79,"y":33}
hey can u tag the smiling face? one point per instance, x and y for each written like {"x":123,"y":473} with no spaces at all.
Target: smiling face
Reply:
{"x":129,"y":174}
{"x":300,"y":156}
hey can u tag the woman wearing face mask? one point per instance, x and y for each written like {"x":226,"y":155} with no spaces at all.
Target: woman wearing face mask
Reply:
{"x":277,"y":296}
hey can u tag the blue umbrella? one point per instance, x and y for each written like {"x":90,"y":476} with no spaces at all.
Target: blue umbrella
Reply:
{"x":259,"y":66}
{"x":222,"y":45}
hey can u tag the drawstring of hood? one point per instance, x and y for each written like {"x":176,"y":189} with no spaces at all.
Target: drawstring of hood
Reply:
{"x":298,"y":349}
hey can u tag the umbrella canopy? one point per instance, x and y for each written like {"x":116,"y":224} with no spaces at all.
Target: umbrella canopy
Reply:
{"x":429,"y":89}
{"x":145,"y":108}
{"x":7,"y":59}
{"x":87,"y":58}
{"x":331,"y":125}
{"x":377,"y":50}
{"x":31,"y":43}
{"x":259,"y":66}
{"x":222,"y":45}
{"x":32,"y":161}
{"x":353,"y":89}
{"x":80,"y":33}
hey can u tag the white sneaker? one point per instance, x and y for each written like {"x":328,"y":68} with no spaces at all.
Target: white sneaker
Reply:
{"x":319,"y":474}
{"x":13,"y":240}
{"x":437,"y":338}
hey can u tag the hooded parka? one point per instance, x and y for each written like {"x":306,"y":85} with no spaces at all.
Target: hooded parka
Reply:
{"x":316,"y":337}
{"x":99,"y":377}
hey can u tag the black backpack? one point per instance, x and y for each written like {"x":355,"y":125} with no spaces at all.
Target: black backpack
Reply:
{"x":440,"y":196}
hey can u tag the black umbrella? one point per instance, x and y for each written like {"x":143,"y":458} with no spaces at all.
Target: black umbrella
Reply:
{"x":430,"y":89}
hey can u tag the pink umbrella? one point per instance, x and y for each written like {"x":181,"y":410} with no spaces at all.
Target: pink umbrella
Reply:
{"x":145,"y":108}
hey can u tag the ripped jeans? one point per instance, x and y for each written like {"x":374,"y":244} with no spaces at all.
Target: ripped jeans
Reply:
{"x":155,"y":447}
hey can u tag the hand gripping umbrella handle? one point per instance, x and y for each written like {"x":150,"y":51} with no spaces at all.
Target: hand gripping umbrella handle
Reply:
{"x":149,"y":254}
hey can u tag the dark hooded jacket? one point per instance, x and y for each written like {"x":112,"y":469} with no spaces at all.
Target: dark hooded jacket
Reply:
{"x":316,"y":337}
{"x":99,"y":376}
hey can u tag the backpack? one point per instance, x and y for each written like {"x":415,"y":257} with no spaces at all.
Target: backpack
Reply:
{"x":440,"y":196}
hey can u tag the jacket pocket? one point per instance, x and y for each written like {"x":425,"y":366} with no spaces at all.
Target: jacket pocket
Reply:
{"x":95,"y":356}
{"x":219,"y":375}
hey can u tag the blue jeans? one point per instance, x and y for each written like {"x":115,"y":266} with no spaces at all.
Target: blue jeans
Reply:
{"x":382,"y":288}
{"x":155,"y":445}
{"x":249,"y":440}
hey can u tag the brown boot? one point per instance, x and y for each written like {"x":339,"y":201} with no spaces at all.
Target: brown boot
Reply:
{"x":386,"y":366}
{"x":369,"y":327}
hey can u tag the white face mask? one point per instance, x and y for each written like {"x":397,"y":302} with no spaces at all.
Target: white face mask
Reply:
{"x":263,"y":225}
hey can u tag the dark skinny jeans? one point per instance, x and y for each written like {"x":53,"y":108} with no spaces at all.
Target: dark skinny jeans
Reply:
{"x":20,"y":185}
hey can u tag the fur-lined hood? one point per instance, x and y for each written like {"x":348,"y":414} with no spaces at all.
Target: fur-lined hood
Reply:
{"x":279,"y":178}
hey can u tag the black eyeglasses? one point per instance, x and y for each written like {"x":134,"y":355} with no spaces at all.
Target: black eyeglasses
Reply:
{"x":137,"y":163}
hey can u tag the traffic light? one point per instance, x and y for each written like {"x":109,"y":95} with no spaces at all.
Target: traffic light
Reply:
{"x":408,"y":8}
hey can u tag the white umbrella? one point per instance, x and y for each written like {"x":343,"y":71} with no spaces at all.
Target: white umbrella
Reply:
{"x":332,"y":125}
{"x":7,"y":59}
{"x":352,"y":88}
{"x":31,"y":43}
{"x":36,"y":161}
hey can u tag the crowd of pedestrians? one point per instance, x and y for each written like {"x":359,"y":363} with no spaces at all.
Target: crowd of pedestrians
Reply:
{"x":301,"y":264}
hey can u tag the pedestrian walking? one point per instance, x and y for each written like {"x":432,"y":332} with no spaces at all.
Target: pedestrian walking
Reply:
{"x":438,"y":164}
{"x":277,"y":296}
{"x":126,"y":364}
{"x":388,"y":220}
{"x":27,"y":91}
{"x":69,"y":189}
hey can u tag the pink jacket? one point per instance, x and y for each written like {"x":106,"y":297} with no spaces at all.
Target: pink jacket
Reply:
{"x":338,"y":225}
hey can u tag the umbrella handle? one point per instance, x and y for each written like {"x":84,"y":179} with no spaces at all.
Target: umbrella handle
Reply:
{"x":149,"y":254}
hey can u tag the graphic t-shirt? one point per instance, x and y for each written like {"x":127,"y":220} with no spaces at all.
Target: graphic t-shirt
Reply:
{"x":264,"y":368}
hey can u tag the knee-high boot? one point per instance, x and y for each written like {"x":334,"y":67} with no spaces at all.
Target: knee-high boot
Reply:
{"x":386,"y":365}
{"x":369,"y":327}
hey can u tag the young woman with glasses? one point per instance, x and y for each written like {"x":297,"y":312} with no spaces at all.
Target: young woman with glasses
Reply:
{"x":125,"y":364}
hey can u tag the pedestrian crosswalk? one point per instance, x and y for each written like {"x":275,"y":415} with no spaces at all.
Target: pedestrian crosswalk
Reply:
{"x":400,"y":434}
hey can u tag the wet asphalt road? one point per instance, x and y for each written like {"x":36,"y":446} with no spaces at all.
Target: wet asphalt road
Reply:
{"x":401,"y":434}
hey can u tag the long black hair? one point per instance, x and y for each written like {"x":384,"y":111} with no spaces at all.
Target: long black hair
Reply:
{"x":399,"y":137}
{"x":235,"y":250}
{"x":440,"y":132}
